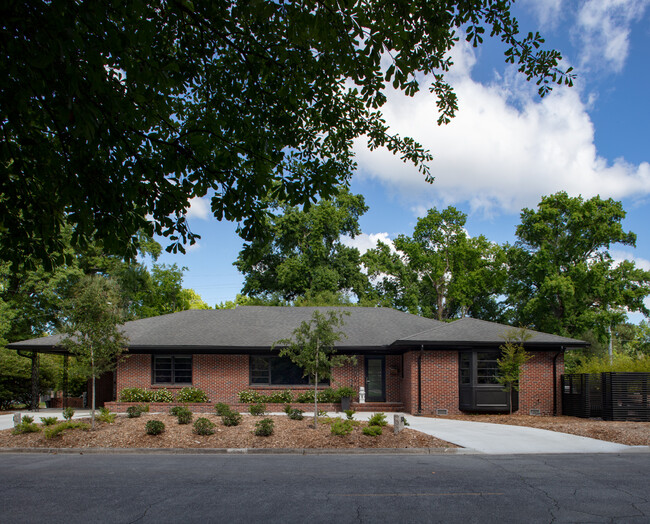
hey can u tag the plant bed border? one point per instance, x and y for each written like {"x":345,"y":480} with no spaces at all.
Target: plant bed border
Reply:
{"x":208,"y":407}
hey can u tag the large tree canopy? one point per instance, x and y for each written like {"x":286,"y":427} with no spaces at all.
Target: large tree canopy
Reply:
{"x":562,"y":278}
{"x":302,"y":255}
{"x":115,"y":114}
{"x":439,"y":271}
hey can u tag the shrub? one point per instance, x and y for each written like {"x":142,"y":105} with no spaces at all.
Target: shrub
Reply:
{"x":55,"y":431}
{"x":154,"y":427}
{"x":264,"y":427}
{"x":372,"y":431}
{"x":68,"y":413}
{"x":26,"y":427}
{"x":135,"y":395}
{"x":296,"y":414}
{"x":378,"y":419}
{"x":341,"y":427}
{"x":190,"y":394}
{"x":287,"y":408}
{"x":48,"y":421}
{"x":133,"y":411}
{"x":106,"y":416}
{"x":221,"y":408}
{"x":349,"y":413}
{"x":174,"y":410}
{"x":203,"y":426}
{"x":257,"y":409}
{"x":159,"y":395}
{"x":249,"y":396}
{"x":184,"y":416}
{"x":326,"y":395}
{"x":344,"y":391}
{"x":232,"y":418}
{"x":28,"y":419}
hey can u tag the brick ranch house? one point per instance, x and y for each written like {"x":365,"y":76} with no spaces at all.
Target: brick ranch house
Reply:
{"x":404,"y":362}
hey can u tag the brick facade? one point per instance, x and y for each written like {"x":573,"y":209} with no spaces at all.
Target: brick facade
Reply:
{"x":222,"y":377}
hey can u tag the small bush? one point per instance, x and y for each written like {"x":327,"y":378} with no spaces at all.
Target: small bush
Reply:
{"x":26,"y":427}
{"x":190,"y":394}
{"x":48,"y":421}
{"x":221,"y":408}
{"x":55,"y":431}
{"x":28,"y":419}
{"x":279,"y":397}
{"x":144,"y":408}
{"x":326,"y":395}
{"x":296,"y":414}
{"x":106,"y":416}
{"x":133,"y":411}
{"x":135,"y":395}
{"x":257,"y":409}
{"x":349,"y":413}
{"x":203,"y":426}
{"x":159,"y":395}
{"x":249,"y":396}
{"x":68,"y":413}
{"x":184,"y":416}
{"x":174,"y":410}
{"x":372,"y":431}
{"x":378,"y":419}
{"x":287,"y":408}
{"x":154,"y":427}
{"x":344,"y":392}
{"x":264,"y":427}
{"x":341,"y":427}
{"x":232,"y":418}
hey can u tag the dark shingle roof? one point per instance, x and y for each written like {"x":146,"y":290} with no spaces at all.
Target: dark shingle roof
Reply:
{"x":473,"y":332}
{"x":258,"y":327}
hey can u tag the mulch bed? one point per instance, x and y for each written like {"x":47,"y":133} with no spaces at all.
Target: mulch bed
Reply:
{"x":130,"y":433}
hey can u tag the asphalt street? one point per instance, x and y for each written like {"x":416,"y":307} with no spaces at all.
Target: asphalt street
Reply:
{"x":324,"y":488}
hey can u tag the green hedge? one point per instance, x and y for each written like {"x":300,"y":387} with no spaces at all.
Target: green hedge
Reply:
{"x":146,"y":395}
{"x":328,"y":395}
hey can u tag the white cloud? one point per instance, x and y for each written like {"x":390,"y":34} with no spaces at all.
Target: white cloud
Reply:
{"x":548,"y":12}
{"x":503,"y":151}
{"x":199,"y":208}
{"x":365,"y":241}
{"x":603,"y":27}
{"x":619,"y":255}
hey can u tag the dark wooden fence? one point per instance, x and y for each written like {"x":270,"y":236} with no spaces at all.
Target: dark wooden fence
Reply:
{"x":610,"y":396}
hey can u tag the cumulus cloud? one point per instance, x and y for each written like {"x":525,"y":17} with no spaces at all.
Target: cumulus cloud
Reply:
{"x":603,"y":28}
{"x":548,"y":12}
{"x":619,"y":255}
{"x":199,"y":208}
{"x":365,"y":241}
{"x":503,"y":151}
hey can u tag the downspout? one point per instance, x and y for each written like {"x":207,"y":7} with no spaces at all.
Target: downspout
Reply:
{"x":420,"y":379}
{"x":555,"y":382}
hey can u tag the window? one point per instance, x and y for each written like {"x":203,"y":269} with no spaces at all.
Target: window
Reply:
{"x":172,"y":369}
{"x":487,"y":368}
{"x":465,"y":368}
{"x":277,"y":371}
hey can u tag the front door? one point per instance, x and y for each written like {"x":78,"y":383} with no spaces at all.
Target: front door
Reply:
{"x":375,"y":379}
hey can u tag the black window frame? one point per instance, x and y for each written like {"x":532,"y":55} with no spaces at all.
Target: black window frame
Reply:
{"x":473,"y":368}
{"x":173,"y":370}
{"x":305,"y":381}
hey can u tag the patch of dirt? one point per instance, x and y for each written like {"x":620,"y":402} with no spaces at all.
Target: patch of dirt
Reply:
{"x":130,"y":433}
{"x":630,"y":433}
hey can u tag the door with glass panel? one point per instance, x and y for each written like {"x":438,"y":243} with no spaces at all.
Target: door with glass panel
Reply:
{"x":375,"y":379}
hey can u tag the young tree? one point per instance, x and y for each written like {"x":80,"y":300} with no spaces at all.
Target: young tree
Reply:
{"x":513,"y":356}
{"x":92,"y":319}
{"x":312,"y":348}
{"x":134,"y":108}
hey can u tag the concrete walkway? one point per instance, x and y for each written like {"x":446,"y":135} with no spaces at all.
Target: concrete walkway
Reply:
{"x":481,"y":437}
{"x":503,"y":439}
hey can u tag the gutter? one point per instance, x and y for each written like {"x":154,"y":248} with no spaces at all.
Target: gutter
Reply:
{"x":555,"y":381}
{"x":420,"y":379}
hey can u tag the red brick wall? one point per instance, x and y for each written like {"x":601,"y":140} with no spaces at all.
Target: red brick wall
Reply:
{"x":536,"y":383}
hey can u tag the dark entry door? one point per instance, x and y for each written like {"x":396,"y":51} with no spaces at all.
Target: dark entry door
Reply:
{"x":375,"y":379}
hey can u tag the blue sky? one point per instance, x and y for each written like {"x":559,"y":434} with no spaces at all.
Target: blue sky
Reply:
{"x":506,"y":148}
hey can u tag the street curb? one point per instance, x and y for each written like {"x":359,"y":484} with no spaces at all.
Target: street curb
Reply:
{"x":244,"y":451}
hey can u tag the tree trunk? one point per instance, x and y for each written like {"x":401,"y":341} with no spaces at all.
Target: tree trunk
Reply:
{"x":316,"y":390}
{"x":92,"y":368}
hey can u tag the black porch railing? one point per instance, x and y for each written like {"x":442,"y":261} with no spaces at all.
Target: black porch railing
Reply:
{"x":612,"y":396}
